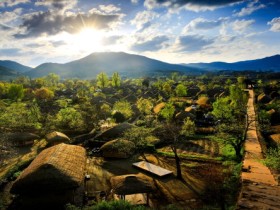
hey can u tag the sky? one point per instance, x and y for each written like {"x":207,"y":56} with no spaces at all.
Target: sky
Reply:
{"x":33,"y":32}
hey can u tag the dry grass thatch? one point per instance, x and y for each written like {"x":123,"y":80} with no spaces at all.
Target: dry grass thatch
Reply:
{"x":263,"y":98}
{"x":20,"y":136}
{"x":275,"y":138}
{"x":60,"y":167}
{"x":118,"y":149}
{"x":131,"y":184}
{"x":203,"y":100}
{"x":159,"y":107}
{"x":115,"y":132}
{"x":57,"y":137}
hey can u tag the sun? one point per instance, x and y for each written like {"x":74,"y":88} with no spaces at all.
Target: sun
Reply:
{"x":88,"y":39}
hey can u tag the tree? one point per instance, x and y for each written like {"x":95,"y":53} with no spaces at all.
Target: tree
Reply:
{"x":69,"y":118}
{"x":144,"y":105}
{"x":124,"y":108}
{"x":52,"y":79}
{"x":168,"y":111}
{"x":102,"y":80}
{"x":116,"y":79}
{"x":15,"y":92}
{"x":222,"y":109}
{"x":181,"y":90}
{"x":44,"y":94}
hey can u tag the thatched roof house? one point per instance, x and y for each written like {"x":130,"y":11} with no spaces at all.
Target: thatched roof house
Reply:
{"x":263,"y":98}
{"x":20,"y":139}
{"x":115,"y":132}
{"x":56,"y":137}
{"x":131,"y":184}
{"x":57,"y":168}
{"x":118,"y":149}
{"x":158,"y":107}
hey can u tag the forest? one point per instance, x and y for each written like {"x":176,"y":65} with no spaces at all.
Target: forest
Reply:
{"x":194,"y":126}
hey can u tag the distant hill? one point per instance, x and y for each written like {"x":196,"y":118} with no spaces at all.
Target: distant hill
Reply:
{"x":264,"y":64}
{"x":14,"y":66}
{"x":6,"y":73}
{"x":109,"y":62}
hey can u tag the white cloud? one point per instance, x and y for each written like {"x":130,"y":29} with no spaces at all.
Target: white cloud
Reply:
{"x":192,"y":43}
{"x":11,"y":3}
{"x":241,"y":25}
{"x":202,"y":24}
{"x":144,"y":19}
{"x":275,"y":24}
{"x":152,"y":44}
{"x":134,"y":1}
{"x":251,"y":7}
{"x":108,"y":9}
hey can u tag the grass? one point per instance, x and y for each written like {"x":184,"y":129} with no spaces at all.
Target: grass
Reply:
{"x":190,"y":156}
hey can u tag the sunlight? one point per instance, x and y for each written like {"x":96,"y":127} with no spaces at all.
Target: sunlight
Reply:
{"x":88,"y":39}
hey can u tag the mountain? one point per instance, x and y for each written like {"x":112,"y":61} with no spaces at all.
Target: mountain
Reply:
{"x":109,"y":62}
{"x":6,"y":73}
{"x":14,"y":66}
{"x":263,"y":64}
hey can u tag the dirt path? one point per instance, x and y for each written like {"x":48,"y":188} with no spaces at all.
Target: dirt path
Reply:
{"x":259,"y":188}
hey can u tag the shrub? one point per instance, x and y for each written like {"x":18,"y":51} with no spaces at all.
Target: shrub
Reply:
{"x":273,"y":158}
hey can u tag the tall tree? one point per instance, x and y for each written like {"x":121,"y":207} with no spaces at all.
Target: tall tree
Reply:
{"x":181,"y":90}
{"x":102,"y":80}
{"x":116,"y":79}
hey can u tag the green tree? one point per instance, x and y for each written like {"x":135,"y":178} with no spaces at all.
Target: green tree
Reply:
{"x":69,"y":118}
{"x":181,"y":90}
{"x":52,"y":79}
{"x":116,"y":79}
{"x":222,"y":109}
{"x":144,"y":105}
{"x":102,"y":80}
{"x":123,"y":107}
{"x":168,"y":112}
{"x":15,"y":92}
{"x":44,"y":94}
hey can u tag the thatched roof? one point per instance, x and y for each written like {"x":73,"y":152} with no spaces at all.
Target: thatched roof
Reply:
{"x":263,"y":98}
{"x":203,"y":100}
{"x":20,"y":136}
{"x":115,"y":132}
{"x":275,"y":138}
{"x":57,"y":137}
{"x":131,"y":184}
{"x":118,"y":149}
{"x":60,"y":167}
{"x":159,"y":107}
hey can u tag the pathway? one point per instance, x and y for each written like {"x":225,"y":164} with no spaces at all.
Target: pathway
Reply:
{"x":259,"y":188}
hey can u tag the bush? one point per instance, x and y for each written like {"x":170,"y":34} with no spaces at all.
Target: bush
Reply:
{"x":273,"y":158}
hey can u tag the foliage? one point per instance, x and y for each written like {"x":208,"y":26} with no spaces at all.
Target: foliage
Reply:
{"x":15,"y":92}
{"x":144,"y":105}
{"x":168,"y":111}
{"x":102,"y":80}
{"x":181,"y":90}
{"x":20,"y":115}
{"x":139,"y":136}
{"x":124,"y":108}
{"x":69,"y":118}
{"x":188,"y":128}
{"x":273,"y":158}
{"x":116,"y":79}
{"x":44,"y":94}
{"x":222,"y":109}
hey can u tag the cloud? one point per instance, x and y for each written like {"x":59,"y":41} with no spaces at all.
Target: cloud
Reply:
{"x":4,"y":27}
{"x":108,"y":9}
{"x":10,"y":16}
{"x":143,"y":20}
{"x":10,"y":52}
{"x":275,"y":24}
{"x":134,"y":1}
{"x":251,"y":7}
{"x":111,"y":40}
{"x":154,"y":44}
{"x":196,"y":5}
{"x":192,"y":43}
{"x":57,"y":5}
{"x":48,"y":23}
{"x":241,"y":25}
{"x":202,"y":24}
{"x":11,"y":3}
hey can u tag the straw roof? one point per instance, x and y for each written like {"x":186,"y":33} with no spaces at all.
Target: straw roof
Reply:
{"x":131,"y":184}
{"x":57,"y":137}
{"x":118,"y":149}
{"x":115,"y":132}
{"x":60,"y":167}
{"x":275,"y":138}
{"x":263,"y":98}
{"x":21,"y":136}
{"x":159,"y":107}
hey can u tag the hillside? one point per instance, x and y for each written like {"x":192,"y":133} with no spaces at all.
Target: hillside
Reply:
{"x":14,"y":66}
{"x":109,"y":62}
{"x":263,"y":64}
{"x":6,"y":73}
